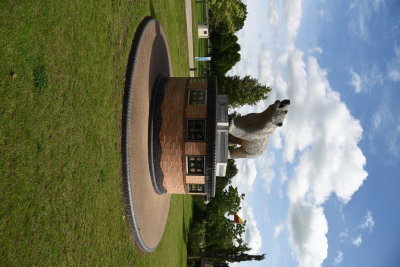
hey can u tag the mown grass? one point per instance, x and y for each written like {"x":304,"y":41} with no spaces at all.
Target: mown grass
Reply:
{"x":200,"y":46}
{"x":62,"y":73}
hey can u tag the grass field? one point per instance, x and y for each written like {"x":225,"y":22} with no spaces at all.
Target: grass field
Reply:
{"x":62,"y":73}
{"x":200,"y":46}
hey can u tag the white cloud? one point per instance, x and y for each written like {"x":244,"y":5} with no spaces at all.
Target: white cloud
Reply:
{"x":355,"y":80}
{"x":325,"y":133}
{"x":283,"y":176}
{"x":282,"y":180}
{"x":321,"y":138}
{"x":342,"y":215}
{"x":266,"y":63}
{"x":246,"y":176}
{"x":377,"y":4}
{"x":394,"y":65}
{"x":366,"y":81}
{"x":273,"y":14}
{"x":394,"y":140}
{"x":252,"y":235}
{"x":266,"y":215}
{"x":293,"y":13}
{"x":266,"y":162}
{"x":376,"y":121}
{"x":357,"y":241}
{"x":394,"y":73}
{"x":278,"y":230}
{"x":308,"y":228}
{"x":343,"y":235}
{"x":360,"y":13}
{"x":339,"y":258}
{"x":324,"y":136}
{"x":374,"y":78}
{"x":316,"y":49}
{"x":276,"y":140}
{"x":369,"y":222}
{"x":385,"y":124}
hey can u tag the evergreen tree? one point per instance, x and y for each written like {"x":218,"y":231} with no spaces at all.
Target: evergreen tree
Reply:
{"x":242,"y":91}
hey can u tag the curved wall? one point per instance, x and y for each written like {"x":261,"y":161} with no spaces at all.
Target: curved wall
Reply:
{"x":172,"y":135}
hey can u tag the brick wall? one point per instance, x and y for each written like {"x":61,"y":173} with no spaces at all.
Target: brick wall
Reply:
{"x":175,"y":110}
{"x":196,"y":112}
{"x":192,"y":179}
{"x":172,"y":135}
{"x":195,"y":148}
{"x":197,"y":84}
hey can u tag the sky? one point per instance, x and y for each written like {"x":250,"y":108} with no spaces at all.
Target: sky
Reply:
{"x":326,"y":191}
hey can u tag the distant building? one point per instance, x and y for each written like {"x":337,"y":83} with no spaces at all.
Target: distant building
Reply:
{"x":203,"y":30}
{"x":192,"y":138}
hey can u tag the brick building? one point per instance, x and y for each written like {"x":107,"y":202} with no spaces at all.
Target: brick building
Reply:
{"x":189,"y":136}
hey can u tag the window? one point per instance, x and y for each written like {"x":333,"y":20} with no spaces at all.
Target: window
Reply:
{"x":195,"y":165}
{"x":197,"y":97}
{"x":205,"y":32}
{"x":197,"y":80}
{"x":196,"y":188}
{"x":196,"y":130}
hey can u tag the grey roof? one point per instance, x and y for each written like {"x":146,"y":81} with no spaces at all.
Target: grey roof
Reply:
{"x":222,"y":129}
{"x":217,"y":134}
{"x":211,"y":137}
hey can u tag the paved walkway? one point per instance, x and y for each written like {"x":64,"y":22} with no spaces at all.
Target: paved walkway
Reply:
{"x":189,"y":27}
{"x":146,"y":211}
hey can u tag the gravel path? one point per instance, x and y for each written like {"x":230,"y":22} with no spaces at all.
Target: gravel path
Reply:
{"x":147,"y":212}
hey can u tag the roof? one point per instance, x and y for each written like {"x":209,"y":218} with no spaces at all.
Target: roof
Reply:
{"x":217,"y":149}
{"x":222,"y":135}
{"x":211,"y":137}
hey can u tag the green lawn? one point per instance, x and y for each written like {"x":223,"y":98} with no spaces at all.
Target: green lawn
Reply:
{"x":200,"y":46}
{"x":62,"y":73}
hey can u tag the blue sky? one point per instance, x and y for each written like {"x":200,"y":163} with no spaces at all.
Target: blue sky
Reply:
{"x":326,"y":192}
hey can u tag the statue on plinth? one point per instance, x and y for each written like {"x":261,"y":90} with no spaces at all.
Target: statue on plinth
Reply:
{"x":249,"y":134}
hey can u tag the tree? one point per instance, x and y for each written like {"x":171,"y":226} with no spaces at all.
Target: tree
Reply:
{"x":243,"y":91}
{"x":233,"y":256}
{"x":214,"y":236}
{"x":231,"y":169}
{"x":223,"y":60}
{"x":221,"y":42}
{"x":222,"y":65}
{"x":232,"y":13}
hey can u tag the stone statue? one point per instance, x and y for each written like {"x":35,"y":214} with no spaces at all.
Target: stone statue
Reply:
{"x":249,"y":134}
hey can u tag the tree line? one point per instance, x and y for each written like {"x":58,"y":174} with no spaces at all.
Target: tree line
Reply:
{"x":214,"y":236}
{"x":226,"y":18}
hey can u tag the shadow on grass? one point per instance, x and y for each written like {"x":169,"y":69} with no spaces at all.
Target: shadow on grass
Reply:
{"x":185,"y":227}
{"x":40,"y":77}
{"x":152,"y":11}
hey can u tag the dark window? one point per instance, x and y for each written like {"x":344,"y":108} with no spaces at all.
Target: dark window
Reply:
{"x":197,"y":97}
{"x":196,"y":188}
{"x":205,"y":32}
{"x":195,"y":165}
{"x":196,"y":130}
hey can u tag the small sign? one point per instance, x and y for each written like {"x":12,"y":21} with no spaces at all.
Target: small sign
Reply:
{"x":202,"y":58}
